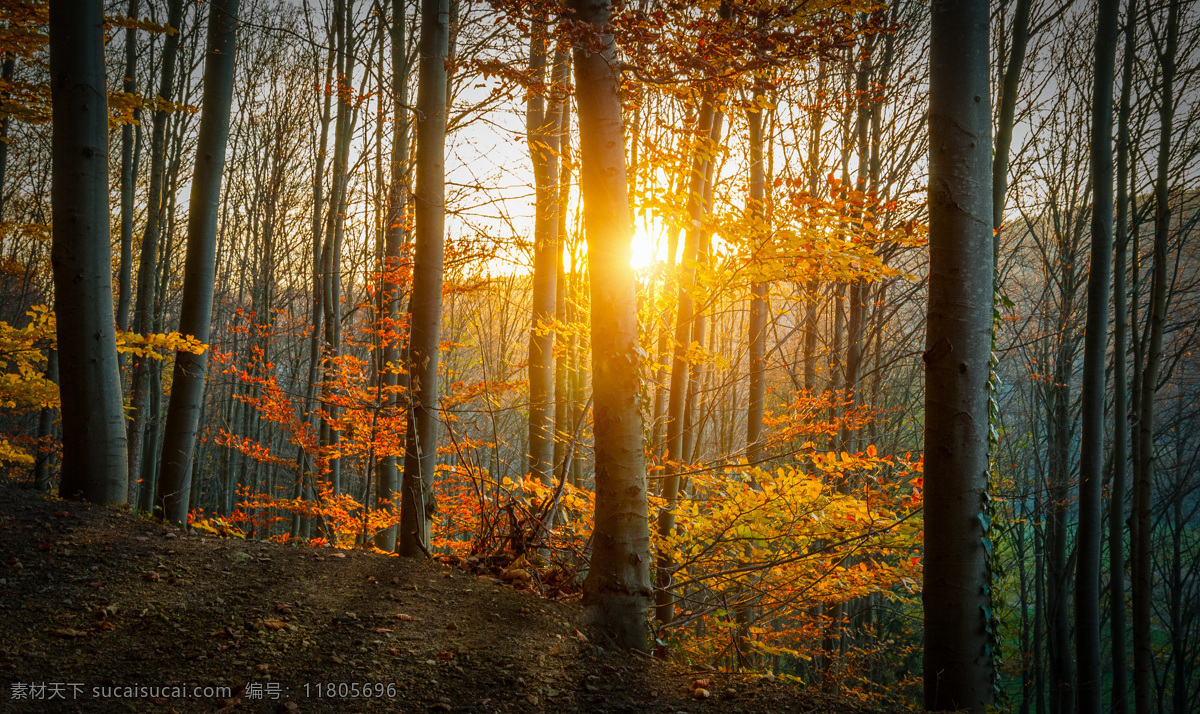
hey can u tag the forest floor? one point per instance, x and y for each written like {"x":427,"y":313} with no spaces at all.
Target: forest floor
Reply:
{"x":95,"y":601}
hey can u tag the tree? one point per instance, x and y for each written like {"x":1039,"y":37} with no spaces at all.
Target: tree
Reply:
{"x":1095,"y":353}
{"x":958,"y":660}
{"x":542,"y":131}
{"x":183,"y":412}
{"x":1120,"y":448}
{"x":1143,"y":485}
{"x":420,"y":445}
{"x":617,"y":589}
{"x":94,"y":463}
{"x":395,"y":234}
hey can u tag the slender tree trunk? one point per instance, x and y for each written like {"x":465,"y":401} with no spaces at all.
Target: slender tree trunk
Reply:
{"x":129,"y":149}
{"x":1009,"y":89}
{"x":617,"y":589}
{"x":144,"y":307}
{"x":95,"y":460}
{"x":387,"y":476}
{"x":420,"y":445}
{"x":187,"y":391}
{"x":1143,"y":489}
{"x":43,"y":467}
{"x":1095,"y":351}
{"x":543,"y":138}
{"x":758,"y":292}
{"x":6,"y":73}
{"x":335,"y":223}
{"x":958,"y":664}
{"x":1116,"y":513}
{"x":677,"y":396}
{"x":562,"y":410}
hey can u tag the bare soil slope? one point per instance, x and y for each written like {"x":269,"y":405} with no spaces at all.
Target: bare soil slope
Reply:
{"x":95,"y":601}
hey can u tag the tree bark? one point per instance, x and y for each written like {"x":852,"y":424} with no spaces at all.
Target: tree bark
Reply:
{"x":130,"y":146}
{"x":95,"y":460}
{"x":420,"y":444}
{"x":957,"y":662}
{"x":1095,"y":352}
{"x":387,"y":476}
{"x":543,"y":139}
{"x":1116,"y":514}
{"x":1008,"y":106}
{"x":187,"y":392}
{"x":617,"y":589}
{"x":1143,"y":655}
{"x":144,"y":307}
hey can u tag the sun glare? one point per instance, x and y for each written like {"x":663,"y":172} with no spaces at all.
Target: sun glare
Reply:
{"x":649,"y":244}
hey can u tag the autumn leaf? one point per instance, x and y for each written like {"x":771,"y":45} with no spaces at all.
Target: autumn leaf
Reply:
{"x":272,"y":624}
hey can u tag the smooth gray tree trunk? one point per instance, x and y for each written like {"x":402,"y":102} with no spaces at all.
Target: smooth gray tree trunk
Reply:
{"x":386,"y":474}
{"x":421,"y":438}
{"x":542,"y":132}
{"x":1095,"y":354}
{"x":617,"y":590}
{"x":144,"y":306}
{"x":1143,"y":576}
{"x":95,"y":460}
{"x":958,"y":662}
{"x":1116,"y":513}
{"x":187,"y":391}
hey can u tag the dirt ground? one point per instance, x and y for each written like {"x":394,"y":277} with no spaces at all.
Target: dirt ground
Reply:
{"x":104,"y":611}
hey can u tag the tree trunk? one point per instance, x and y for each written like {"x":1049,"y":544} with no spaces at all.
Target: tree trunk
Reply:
{"x":95,"y":460}
{"x":677,"y":396}
{"x":195,"y":315}
{"x":1095,"y":351}
{"x":144,"y":307}
{"x":958,"y":664}
{"x":1008,"y":106}
{"x":758,"y":292}
{"x":617,"y":590}
{"x":387,"y":477}
{"x":1143,"y":655}
{"x":1116,"y":512}
{"x":542,"y":133}
{"x":43,"y":467}
{"x":420,"y":444}
{"x":130,"y":146}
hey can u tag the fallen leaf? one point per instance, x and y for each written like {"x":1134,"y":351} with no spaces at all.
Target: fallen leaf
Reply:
{"x":371,"y":579}
{"x":445,"y":655}
{"x":701,"y":693}
{"x":150,"y":577}
{"x":582,"y":637}
{"x":440,"y":707}
{"x":68,"y":632}
{"x":383,"y":630}
{"x":337,"y":555}
{"x":516,"y":574}
{"x":702,"y":684}
{"x":97,"y":584}
{"x":262,"y":668}
{"x":405,"y":618}
{"x":395,"y":652}
{"x":44,"y":547}
{"x":105,"y":626}
{"x":272,"y":624}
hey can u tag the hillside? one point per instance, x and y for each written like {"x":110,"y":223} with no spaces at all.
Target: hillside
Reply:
{"x":103,"y":599}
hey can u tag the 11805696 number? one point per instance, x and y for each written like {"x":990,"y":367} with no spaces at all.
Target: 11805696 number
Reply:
{"x":350,"y":690}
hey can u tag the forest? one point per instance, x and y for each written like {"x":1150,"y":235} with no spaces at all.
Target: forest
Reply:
{"x":845,"y":343}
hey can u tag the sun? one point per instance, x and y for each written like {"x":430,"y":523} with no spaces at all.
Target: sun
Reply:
{"x":649,"y":244}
